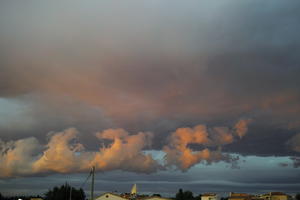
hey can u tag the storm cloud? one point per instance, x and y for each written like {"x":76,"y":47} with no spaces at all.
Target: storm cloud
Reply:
{"x":182,"y":78}
{"x":71,"y":62}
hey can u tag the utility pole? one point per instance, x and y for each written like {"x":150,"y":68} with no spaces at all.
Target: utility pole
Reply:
{"x":92,"y":186}
{"x":70,"y":192}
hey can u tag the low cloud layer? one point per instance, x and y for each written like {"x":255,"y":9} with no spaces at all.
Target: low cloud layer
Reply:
{"x":119,"y":151}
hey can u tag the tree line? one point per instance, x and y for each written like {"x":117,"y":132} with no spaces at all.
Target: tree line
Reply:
{"x":65,"y":191}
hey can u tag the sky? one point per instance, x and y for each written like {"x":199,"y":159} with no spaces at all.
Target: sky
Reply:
{"x":199,"y":95}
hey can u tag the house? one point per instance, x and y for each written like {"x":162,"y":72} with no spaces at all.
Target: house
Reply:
{"x":276,"y":196}
{"x":133,"y":195}
{"x":239,"y":196}
{"x":155,"y":198}
{"x":210,"y":196}
{"x":110,"y":196}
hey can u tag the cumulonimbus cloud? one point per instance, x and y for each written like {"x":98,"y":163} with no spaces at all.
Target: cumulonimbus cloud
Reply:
{"x":120,"y":150}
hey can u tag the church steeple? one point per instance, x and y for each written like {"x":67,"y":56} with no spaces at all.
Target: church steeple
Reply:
{"x":133,"y":190}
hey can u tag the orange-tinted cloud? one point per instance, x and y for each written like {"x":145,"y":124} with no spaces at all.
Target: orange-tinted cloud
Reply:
{"x":119,"y":150}
{"x":179,"y":153}
{"x":241,"y":127}
{"x":125,"y":152}
{"x":60,"y":155}
{"x":64,"y":154}
{"x":17,"y":157}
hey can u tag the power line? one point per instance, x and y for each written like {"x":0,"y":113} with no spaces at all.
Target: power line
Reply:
{"x":81,"y":186}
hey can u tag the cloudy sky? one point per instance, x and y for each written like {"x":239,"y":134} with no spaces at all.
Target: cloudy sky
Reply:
{"x":199,"y":95}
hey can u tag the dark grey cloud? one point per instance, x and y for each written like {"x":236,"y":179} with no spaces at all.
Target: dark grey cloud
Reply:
{"x":264,"y":141}
{"x":152,"y":66}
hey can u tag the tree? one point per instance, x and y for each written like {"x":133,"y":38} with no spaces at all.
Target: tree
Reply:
{"x":156,"y":195}
{"x":1,"y":197}
{"x":297,"y":197}
{"x":198,"y":197}
{"x":179,"y":195}
{"x":186,"y":195}
{"x":63,"y":192}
